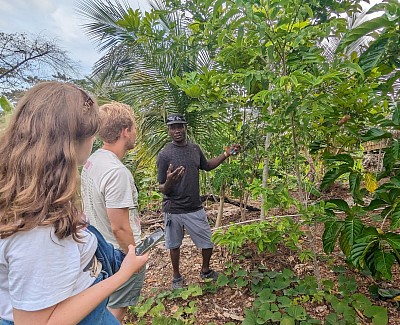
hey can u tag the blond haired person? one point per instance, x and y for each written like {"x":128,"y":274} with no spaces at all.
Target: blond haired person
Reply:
{"x":48,"y":270}
{"x":110,"y":196}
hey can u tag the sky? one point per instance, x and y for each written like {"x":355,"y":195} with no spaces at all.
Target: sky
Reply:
{"x":54,"y":20}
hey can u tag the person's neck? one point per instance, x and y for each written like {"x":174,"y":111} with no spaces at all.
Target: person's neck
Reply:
{"x":117,"y":148}
{"x":180,"y":143}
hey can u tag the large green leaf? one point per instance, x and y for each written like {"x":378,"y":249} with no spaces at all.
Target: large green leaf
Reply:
{"x":340,"y":158}
{"x":354,"y":182}
{"x":332,"y":175}
{"x":337,"y":204}
{"x":395,"y":217}
{"x":383,"y":263}
{"x":357,"y":251}
{"x":392,"y":155}
{"x":331,"y":234}
{"x":375,"y":204}
{"x":363,"y":30}
{"x":375,"y":134}
{"x":393,"y":240}
{"x":372,"y":56}
{"x":352,"y":228}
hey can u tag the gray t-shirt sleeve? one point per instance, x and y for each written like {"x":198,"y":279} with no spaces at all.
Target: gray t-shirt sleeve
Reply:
{"x":118,"y":189}
{"x":162,"y":167}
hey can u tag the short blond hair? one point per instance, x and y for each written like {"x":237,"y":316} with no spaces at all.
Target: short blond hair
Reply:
{"x":115,"y":117}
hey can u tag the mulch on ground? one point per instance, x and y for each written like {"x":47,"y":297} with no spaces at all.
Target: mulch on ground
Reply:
{"x":229,"y":304}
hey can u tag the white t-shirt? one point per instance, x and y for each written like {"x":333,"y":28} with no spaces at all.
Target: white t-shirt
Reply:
{"x":38,"y":270}
{"x":107,"y":183}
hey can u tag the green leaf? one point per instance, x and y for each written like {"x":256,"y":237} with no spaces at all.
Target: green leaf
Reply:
{"x":222,"y":280}
{"x":250,"y":318}
{"x":395,"y":217}
{"x":361,"y":301}
{"x":383,"y":263}
{"x":388,"y":293}
{"x":354,"y":182}
{"x":5,"y":104}
{"x":378,"y":314}
{"x":375,"y":134}
{"x":286,"y":320}
{"x":297,"y":312}
{"x":351,"y":229}
{"x":363,"y":30}
{"x":392,"y":154}
{"x":375,"y":204}
{"x":337,"y":204}
{"x":340,"y":158}
{"x":309,"y":10}
{"x":332,"y":175}
{"x":217,"y":7}
{"x":393,"y":240}
{"x":354,"y":67}
{"x":331,"y":235}
{"x":372,"y":56}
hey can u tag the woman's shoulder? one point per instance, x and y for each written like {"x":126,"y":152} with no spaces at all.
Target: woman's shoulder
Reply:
{"x":38,"y":238}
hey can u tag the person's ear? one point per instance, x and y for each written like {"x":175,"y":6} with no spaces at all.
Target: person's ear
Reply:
{"x":125,"y":132}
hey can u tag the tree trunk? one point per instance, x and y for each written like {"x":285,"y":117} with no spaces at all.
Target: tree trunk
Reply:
{"x":221,"y":205}
{"x":265,"y":175}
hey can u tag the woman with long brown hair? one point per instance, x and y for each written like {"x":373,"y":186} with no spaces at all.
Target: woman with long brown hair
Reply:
{"x":50,"y":268}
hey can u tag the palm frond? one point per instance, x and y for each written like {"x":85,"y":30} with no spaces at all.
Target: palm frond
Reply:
{"x":103,"y":17}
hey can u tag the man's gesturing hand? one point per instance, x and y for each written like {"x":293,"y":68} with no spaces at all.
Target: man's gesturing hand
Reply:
{"x":176,"y":175}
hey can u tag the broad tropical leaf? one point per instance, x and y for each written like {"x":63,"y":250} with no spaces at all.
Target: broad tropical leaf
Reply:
{"x":337,"y":204}
{"x":375,"y":134}
{"x":352,"y":228}
{"x":371,"y":184}
{"x":383,"y":263}
{"x":363,"y":30}
{"x":395,"y":217}
{"x":331,"y":176}
{"x":354,"y":182}
{"x":340,"y":158}
{"x":331,"y":234}
{"x":375,"y":204}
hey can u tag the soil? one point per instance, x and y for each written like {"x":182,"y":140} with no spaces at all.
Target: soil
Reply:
{"x":228,"y":304}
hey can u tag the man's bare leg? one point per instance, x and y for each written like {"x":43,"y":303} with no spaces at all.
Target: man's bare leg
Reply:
{"x":206,"y":254}
{"x":175,"y":256}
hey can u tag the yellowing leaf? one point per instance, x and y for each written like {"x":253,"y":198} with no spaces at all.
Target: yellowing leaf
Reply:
{"x":371,"y":184}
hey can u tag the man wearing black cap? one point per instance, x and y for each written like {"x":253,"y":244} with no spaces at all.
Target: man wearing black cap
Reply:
{"x":178,"y":176}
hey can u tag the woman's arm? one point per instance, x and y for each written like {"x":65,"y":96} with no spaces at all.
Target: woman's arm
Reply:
{"x":74,"y":309}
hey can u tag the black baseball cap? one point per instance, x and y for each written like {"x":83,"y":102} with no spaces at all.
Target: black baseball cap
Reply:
{"x":176,"y":119}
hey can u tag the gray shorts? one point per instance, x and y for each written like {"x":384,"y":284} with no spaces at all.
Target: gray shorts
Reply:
{"x":195,"y":223}
{"x":128,"y":294}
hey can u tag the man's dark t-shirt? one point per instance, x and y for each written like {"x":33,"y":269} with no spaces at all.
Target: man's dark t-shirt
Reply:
{"x":185,"y":195}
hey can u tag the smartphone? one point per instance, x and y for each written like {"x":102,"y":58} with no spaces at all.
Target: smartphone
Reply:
{"x":150,"y":242}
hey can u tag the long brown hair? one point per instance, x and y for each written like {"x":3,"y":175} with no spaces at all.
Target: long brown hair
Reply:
{"x":38,"y":159}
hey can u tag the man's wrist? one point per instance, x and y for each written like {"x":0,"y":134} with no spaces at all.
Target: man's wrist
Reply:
{"x":226,"y":154}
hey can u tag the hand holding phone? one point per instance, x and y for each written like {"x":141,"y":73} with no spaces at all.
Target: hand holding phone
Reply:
{"x":150,"y":242}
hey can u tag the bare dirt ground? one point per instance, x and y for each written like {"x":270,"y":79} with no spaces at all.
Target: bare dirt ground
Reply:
{"x":227,"y":304}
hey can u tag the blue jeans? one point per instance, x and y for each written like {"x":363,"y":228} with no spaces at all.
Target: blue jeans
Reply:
{"x":111,"y":260}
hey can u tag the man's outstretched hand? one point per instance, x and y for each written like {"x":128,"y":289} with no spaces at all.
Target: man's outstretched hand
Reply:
{"x":233,"y":150}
